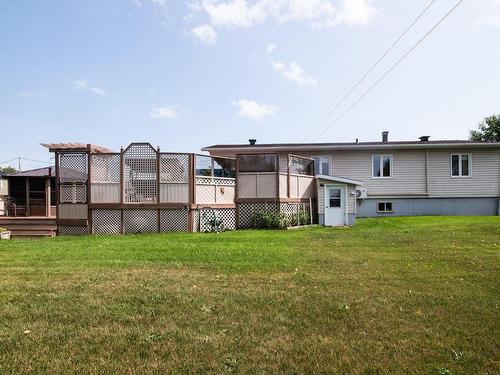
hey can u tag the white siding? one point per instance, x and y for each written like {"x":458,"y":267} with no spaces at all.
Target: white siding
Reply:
{"x":484,"y":179}
{"x":351,"y":198}
{"x":408,"y":171}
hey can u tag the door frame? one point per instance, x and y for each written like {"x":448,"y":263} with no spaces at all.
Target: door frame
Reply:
{"x":342,"y":187}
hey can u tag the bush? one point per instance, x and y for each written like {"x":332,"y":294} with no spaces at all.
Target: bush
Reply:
{"x":268,"y":219}
{"x":301,"y":218}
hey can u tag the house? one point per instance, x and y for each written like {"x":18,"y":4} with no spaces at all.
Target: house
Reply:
{"x":389,"y":178}
{"x":31,"y":192}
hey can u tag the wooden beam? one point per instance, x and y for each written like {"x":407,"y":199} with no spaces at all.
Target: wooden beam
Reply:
{"x":47,"y":197}
{"x":28,"y":208}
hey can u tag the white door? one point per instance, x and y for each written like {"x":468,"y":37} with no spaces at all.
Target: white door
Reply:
{"x":335,"y":205}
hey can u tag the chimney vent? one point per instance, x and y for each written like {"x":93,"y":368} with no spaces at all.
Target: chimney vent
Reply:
{"x":252,"y":142}
{"x":385,"y":136}
{"x":424,"y":138}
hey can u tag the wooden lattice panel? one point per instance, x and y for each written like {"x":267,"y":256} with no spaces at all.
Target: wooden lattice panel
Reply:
{"x":174,"y":220}
{"x":67,"y":230}
{"x":105,"y":168}
{"x":73,"y":193}
{"x":73,"y":168}
{"x":140,"y":174}
{"x":205,"y":215}
{"x":218,"y":181}
{"x":174,"y":168}
{"x":247,"y":212}
{"x":140,"y":221}
{"x":106,"y":221}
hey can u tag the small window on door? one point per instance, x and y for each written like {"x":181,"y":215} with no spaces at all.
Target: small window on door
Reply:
{"x":335,"y":198}
{"x":386,"y":207}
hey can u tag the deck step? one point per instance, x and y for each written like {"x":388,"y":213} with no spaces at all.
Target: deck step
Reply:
{"x":29,"y":226}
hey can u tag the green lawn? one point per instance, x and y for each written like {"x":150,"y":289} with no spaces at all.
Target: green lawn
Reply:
{"x":398,"y":295}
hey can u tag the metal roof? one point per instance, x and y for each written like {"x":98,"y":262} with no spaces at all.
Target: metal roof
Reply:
{"x":350,"y":145}
{"x":38,"y":172}
{"x":339,"y":179}
{"x":56,"y":147}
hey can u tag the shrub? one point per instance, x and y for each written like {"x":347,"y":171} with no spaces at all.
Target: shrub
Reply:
{"x":269,"y":219}
{"x":301,"y":218}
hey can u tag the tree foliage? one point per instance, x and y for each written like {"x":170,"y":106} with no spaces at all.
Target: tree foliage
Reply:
{"x":488,"y":130}
{"x":7,"y":170}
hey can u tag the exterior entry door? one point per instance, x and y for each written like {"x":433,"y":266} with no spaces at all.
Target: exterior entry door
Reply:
{"x":335,"y":205}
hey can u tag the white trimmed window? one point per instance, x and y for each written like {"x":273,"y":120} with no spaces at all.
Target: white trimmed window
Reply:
{"x":461,"y":165}
{"x":322,"y":165}
{"x":381,"y":166}
{"x":385,"y":207}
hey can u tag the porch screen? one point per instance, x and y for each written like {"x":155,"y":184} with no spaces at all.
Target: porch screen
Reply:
{"x":140,"y":180}
{"x":257,"y":163}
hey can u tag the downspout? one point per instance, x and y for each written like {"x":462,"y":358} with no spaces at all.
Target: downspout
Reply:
{"x":427,"y":171}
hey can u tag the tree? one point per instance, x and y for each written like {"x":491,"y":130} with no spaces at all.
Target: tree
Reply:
{"x":489,"y":130}
{"x":7,"y":170}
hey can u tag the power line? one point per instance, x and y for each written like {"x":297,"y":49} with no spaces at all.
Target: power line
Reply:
{"x":8,"y":161}
{"x":390,"y":70}
{"x":369,"y":70}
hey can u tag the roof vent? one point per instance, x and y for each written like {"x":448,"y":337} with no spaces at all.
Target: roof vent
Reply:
{"x":385,"y":136}
{"x":424,"y":138}
{"x":252,"y":142}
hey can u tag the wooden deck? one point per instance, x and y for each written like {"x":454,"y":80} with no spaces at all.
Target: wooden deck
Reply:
{"x":30,"y":226}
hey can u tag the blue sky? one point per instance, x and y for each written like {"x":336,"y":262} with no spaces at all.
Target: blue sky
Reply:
{"x":187,"y":74}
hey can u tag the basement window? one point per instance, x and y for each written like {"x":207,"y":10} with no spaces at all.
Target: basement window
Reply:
{"x":385,"y":207}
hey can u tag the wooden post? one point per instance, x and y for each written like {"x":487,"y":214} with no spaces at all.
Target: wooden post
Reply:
{"x":89,"y":189}
{"x":56,"y":155}
{"x":47,"y":196}
{"x":28,"y":203}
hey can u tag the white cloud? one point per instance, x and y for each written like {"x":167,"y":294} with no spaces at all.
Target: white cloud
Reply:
{"x":270,"y":48}
{"x":83,"y":85}
{"x":356,"y":13}
{"x":294,"y":72}
{"x":490,"y":14}
{"x":205,"y":33}
{"x":319,"y":13}
{"x":137,"y":3}
{"x":32,"y":94}
{"x":161,"y":3}
{"x":252,"y":110}
{"x":164,"y":113}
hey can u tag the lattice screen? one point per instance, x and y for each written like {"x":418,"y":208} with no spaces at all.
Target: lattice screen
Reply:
{"x":66,"y":230}
{"x":106,"y":221}
{"x":105,"y":168}
{"x":174,"y":168}
{"x":247,"y":212}
{"x":292,"y":209}
{"x":140,"y":221}
{"x":73,"y":193}
{"x":140,"y":173}
{"x":204,"y":215}
{"x":174,"y":220}
{"x":216,"y":181}
{"x":73,"y":168}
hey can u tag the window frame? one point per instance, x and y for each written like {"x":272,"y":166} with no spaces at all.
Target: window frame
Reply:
{"x":385,"y":205}
{"x":381,"y":156}
{"x":322,"y":158}
{"x":460,"y":155}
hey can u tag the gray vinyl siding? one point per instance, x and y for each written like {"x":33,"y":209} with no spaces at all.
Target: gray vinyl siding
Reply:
{"x":408,"y":175}
{"x":483,"y":182}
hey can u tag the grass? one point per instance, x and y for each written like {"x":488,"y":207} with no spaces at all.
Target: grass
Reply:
{"x":398,"y":295}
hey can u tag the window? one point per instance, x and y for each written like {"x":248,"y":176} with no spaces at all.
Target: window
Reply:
{"x":257,"y":163}
{"x":461,"y":165}
{"x":207,"y":166}
{"x":382,"y":166}
{"x":322,"y":165}
{"x":385,"y":207}
{"x":335,"y":198}
{"x":301,"y":166}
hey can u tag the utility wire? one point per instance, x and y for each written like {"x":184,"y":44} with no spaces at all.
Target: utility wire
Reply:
{"x":7,"y":161}
{"x":369,"y":70}
{"x":390,"y":69}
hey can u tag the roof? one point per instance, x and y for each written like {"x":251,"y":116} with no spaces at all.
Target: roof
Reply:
{"x":349,"y":145}
{"x":56,"y":147}
{"x":38,"y":172}
{"x":339,"y":179}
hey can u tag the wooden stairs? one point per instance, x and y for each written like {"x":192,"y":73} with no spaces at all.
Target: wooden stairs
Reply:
{"x":30,"y":226}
